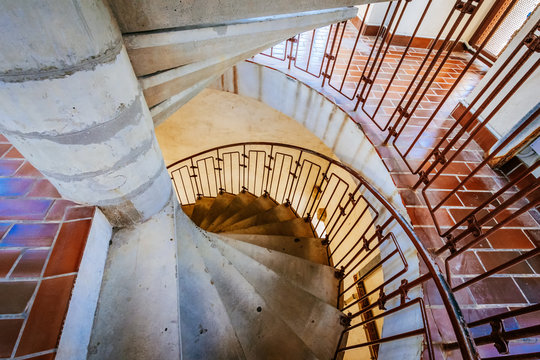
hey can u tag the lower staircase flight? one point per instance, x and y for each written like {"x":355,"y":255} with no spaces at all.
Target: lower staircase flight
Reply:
{"x":254,"y":282}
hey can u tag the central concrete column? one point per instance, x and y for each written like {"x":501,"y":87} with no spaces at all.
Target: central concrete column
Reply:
{"x":70,"y":103}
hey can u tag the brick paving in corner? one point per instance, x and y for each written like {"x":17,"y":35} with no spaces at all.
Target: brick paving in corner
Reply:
{"x":42,"y":239}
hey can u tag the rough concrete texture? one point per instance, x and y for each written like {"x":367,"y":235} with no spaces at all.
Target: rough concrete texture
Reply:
{"x":307,"y":248}
{"x":263,"y":334}
{"x":83,"y":32}
{"x":318,"y":280}
{"x":179,"y":77}
{"x":317,"y":114}
{"x":84,"y":298}
{"x":152,"y":52}
{"x":137,"y":315}
{"x":72,"y":106}
{"x":207,"y":332}
{"x":148,"y":15}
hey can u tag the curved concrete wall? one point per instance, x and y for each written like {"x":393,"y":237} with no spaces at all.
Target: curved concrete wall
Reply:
{"x":318,"y":114}
{"x":71,"y":104}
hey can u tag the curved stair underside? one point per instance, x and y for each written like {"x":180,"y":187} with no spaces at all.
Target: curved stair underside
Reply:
{"x":254,"y":282}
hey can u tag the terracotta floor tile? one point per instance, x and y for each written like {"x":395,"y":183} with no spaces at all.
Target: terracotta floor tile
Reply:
{"x":460,"y":214}
{"x":534,"y":263}
{"x":43,"y":188}
{"x":530,"y":287}
{"x":4,"y":148}
{"x":9,"y":331}
{"x":8,"y":167}
{"x":524,"y":220}
{"x":14,"y":154}
{"x":466,"y":263}
{"x":28,"y":170}
{"x":15,"y":296}
{"x":15,"y":186}
{"x":484,"y":183}
{"x":436,"y":196}
{"x":50,"y":356}
{"x":492,"y":259}
{"x":445,"y":182}
{"x":69,"y":247}
{"x":410,"y":197}
{"x":510,"y":239}
{"x":526,"y":320}
{"x":434,"y":298}
{"x":79,"y":212}
{"x":7,"y":259}
{"x":30,"y":264}
{"x":496,"y":291}
{"x":473,"y":198}
{"x":533,"y":235}
{"x":4,"y":227}
{"x":405,"y":181}
{"x":58,"y":209}
{"x":475,"y":314}
{"x":429,"y":237}
{"x":23,"y":209}
{"x":30,"y":235}
{"x":44,"y":323}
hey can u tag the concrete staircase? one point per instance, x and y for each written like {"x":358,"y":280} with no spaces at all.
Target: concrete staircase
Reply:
{"x":254,"y":282}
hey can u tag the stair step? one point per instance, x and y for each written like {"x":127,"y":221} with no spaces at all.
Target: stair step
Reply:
{"x":312,"y":320}
{"x":276,"y":214}
{"x":240,"y":202}
{"x":220,"y":203}
{"x":258,"y":205}
{"x":201,"y":208}
{"x":188,"y":209}
{"x":206,"y":330}
{"x":306,"y":248}
{"x":295,"y":227}
{"x":260,"y":330}
{"x":319,"y":280}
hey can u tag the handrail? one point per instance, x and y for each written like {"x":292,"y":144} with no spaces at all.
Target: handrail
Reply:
{"x":200,"y":175}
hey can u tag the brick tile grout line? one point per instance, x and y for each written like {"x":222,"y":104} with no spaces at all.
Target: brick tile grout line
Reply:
{"x":32,"y":299}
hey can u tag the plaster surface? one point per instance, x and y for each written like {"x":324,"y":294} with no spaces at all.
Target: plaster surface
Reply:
{"x":137,"y":315}
{"x":214,"y":118}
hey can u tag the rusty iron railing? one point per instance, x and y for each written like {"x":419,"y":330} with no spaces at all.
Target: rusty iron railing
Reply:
{"x":398,"y":103}
{"x":368,"y":241}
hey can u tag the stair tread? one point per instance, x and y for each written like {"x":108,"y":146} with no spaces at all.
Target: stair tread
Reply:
{"x":263,"y":334}
{"x":201,"y":208}
{"x":206,"y":330}
{"x":303,"y":247}
{"x":276,"y":214}
{"x":295,"y":227}
{"x":258,"y":205}
{"x":239,"y":202}
{"x":220,"y":203}
{"x":317,"y":279}
{"x":314,"y":321}
{"x":188,"y":209}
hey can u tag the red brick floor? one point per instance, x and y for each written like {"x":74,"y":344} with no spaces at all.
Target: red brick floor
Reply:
{"x":515,"y":287}
{"x":42,"y":239}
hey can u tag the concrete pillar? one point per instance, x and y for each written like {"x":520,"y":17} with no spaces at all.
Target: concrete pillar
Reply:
{"x":70,"y":103}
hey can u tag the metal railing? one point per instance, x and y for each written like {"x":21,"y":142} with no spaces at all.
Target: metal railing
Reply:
{"x":397,"y":102}
{"x":365,"y":236}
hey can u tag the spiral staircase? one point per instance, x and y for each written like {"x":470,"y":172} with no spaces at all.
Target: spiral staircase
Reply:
{"x":254,"y":282}
{"x":285,"y":253}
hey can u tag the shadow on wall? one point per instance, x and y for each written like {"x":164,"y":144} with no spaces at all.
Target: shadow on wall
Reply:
{"x":318,"y":114}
